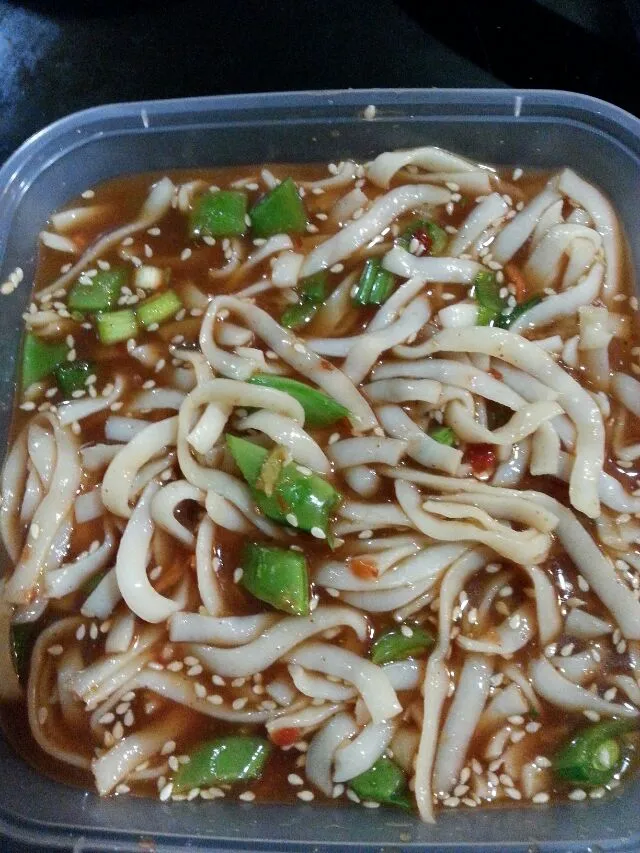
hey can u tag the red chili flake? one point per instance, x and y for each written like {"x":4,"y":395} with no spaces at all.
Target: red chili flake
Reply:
{"x":285,"y":737}
{"x":424,"y":239}
{"x":495,"y":373}
{"x":481,"y":457}
{"x":363,"y":569}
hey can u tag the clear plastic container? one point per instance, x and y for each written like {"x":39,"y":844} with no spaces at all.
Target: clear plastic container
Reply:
{"x":522,"y":128}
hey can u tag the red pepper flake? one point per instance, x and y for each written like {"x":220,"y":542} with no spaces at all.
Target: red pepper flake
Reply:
{"x":495,"y":373}
{"x":481,"y":457}
{"x":285,"y":737}
{"x":424,"y":239}
{"x":363,"y":569}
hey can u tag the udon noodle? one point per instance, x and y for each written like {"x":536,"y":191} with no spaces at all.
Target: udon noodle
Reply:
{"x":411,"y":580}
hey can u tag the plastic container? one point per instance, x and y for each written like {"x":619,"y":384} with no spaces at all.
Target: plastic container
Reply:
{"x":524,"y":128}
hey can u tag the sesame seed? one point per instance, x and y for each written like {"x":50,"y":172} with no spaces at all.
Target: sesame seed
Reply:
{"x":370,"y":804}
{"x":318,"y":533}
{"x":594,"y":716}
{"x":122,"y":708}
{"x":577,"y":794}
{"x":238,"y":704}
{"x":215,"y":699}
{"x":43,"y":713}
{"x":513,"y":793}
{"x":291,"y":519}
{"x":305,"y":796}
{"x":166,"y":792}
{"x":294,"y":779}
{"x":173,"y":763}
{"x":542,"y":761}
{"x":541,"y":797}
{"x":597,"y":793}
{"x":194,"y":670}
{"x":55,"y":650}
{"x":168,"y":748}
{"x":237,"y":575}
{"x":200,"y":690}
{"x":122,"y":788}
{"x":451,"y":802}
{"x":218,"y":680}
{"x":517,"y":174}
{"x":93,"y":631}
{"x":247,"y":796}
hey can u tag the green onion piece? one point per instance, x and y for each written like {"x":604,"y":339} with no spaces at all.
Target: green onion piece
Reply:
{"x":298,"y":316}
{"x":487,"y":294}
{"x":298,"y":498}
{"x":385,"y":782}
{"x":22,"y":638}
{"x":159,"y":308}
{"x":219,"y":214}
{"x":235,"y":758}
{"x":72,"y":375}
{"x":395,"y":645}
{"x":39,"y":358}
{"x":443,"y":435}
{"x":280,"y":211}
{"x":100,"y":293}
{"x":375,"y":285}
{"x":116,"y":326}
{"x":436,"y":234}
{"x":594,"y":755}
{"x":320,"y":410}
{"x":504,"y":321}
{"x":91,"y":583}
{"x":277,"y":576}
{"x":311,"y":294}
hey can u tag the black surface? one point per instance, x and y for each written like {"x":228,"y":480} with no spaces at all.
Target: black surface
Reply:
{"x":58,"y":57}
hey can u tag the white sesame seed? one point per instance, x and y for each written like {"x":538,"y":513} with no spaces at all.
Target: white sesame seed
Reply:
{"x":318,"y":533}
{"x":513,"y":793}
{"x":215,"y":699}
{"x":218,"y":680}
{"x":237,"y":575}
{"x":194,"y":670}
{"x":294,"y":779}
{"x":43,"y":713}
{"x":451,"y":802}
{"x":541,"y":797}
{"x":200,"y":690}
{"x":597,"y":793}
{"x":247,"y":796}
{"x":166,"y":792}
{"x":592,"y":715}
{"x":577,"y":794}
{"x":55,"y":650}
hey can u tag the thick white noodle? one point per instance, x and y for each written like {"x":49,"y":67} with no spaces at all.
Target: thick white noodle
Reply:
{"x":516,"y":232}
{"x":432,"y":158}
{"x":208,"y":585}
{"x":563,"y":304}
{"x":224,"y":631}
{"x":585,"y":625}
{"x":369,"y":679}
{"x":165,"y":503}
{"x":286,"y":432}
{"x":131,"y":564}
{"x":420,"y":446}
{"x":362,"y":752}
{"x":513,"y":634}
{"x":120,"y":475}
{"x":322,"y":749}
{"x":366,"y":451}
{"x":523,"y":423}
{"x":289,"y":348}
{"x":379,"y":216}
{"x":461,"y":721}
{"x":562,"y":693}
{"x":279,"y":639}
{"x":543,"y":266}
{"x":604,"y":219}
{"x":575,"y":400}
{"x":318,"y":687}
{"x":72,"y":576}
{"x":443,"y":270}
{"x":489,"y":212}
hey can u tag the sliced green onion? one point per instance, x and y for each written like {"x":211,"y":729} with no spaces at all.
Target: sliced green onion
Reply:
{"x":159,"y":308}
{"x":280,"y":211}
{"x":116,"y":326}
{"x":594,"y":755}
{"x":311,"y":294}
{"x":375,"y":285}
{"x":219,"y":214}
{"x":277,"y":576}
{"x":443,"y":435}
{"x":40,"y":358}
{"x":100,"y":293}
{"x":22,"y":638}
{"x":384,"y":782}
{"x":298,"y":316}
{"x":72,"y":375}
{"x":436,"y":234}
{"x":504,"y":321}
{"x":487,"y":294}
{"x":319,"y":409}
{"x":396,"y":644}
{"x":298,"y":498}
{"x":235,"y":758}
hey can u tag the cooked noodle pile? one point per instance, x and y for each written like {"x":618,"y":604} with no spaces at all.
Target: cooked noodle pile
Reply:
{"x":449,"y":592}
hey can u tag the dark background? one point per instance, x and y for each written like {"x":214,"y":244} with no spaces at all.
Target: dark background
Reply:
{"x":59,"y":56}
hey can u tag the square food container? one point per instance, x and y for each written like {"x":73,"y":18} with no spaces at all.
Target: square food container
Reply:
{"x":539,"y":129}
